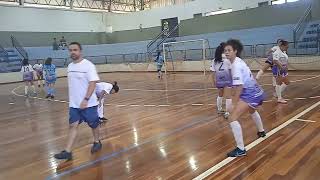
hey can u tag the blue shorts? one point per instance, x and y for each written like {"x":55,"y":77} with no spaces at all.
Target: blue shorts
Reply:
{"x":51,"y":79}
{"x":159,"y":67}
{"x":269,"y":60}
{"x":88,"y":115}
{"x":276,"y":71}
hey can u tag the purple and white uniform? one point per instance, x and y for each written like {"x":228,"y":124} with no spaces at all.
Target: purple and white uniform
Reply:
{"x":39,"y":69}
{"x":282,"y":58}
{"x":27,"y":72}
{"x":251,"y":93}
{"x":223,"y":73}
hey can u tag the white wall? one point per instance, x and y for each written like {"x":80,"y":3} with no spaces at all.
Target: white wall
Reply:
{"x":152,"y":17}
{"x":15,"y":18}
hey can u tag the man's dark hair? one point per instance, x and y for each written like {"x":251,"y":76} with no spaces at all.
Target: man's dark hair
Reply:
{"x":76,"y":43}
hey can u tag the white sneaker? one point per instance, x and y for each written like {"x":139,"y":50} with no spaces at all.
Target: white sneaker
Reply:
{"x":282,"y":101}
{"x":226,"y":115}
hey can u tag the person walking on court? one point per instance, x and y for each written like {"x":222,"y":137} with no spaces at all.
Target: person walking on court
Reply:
{"x":83,"y":102}
{"x":159,"y":59}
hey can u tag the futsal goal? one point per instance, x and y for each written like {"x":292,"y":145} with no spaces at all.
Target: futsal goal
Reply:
{"x":176,"y":54}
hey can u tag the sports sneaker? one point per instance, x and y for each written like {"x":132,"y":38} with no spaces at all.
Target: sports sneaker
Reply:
{"x":96,"y":147}
{"x":275,"y":95}
{"x":52,"y":96}
{"x":64,"y":155}
{"x":261,"y":134}
{"x":282,"y":101}
{"x":48,"y":96}
{"x":226,"y":115}
{"x":237,"y":153}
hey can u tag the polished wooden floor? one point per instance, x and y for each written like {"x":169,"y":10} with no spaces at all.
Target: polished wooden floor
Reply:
{"x":160,"y":129}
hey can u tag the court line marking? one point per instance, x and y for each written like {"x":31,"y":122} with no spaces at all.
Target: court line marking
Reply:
{"x":124,"y":150}
{"x":224,"y":162}
{"x":305,"y":120}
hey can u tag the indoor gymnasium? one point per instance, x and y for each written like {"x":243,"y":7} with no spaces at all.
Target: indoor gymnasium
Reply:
{"x":160,"y":89}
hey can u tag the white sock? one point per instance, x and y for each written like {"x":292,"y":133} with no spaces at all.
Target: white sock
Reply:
{"x":260,"y":73}
{"x":278,"y":91}
{"x":33,"y":88}
{"x":256,"y":117}
{"x":219,"y":102}
{"x":25,"y":89}
{"x":228,"y":105}
{"x":274,"y":82}
{"x":283,"y":87}
{"x":237,"y":134}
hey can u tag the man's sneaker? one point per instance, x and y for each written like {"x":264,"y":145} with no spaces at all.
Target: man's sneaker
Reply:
{"x":64,"y":155}
{"x":96,"y":147}
{"x":237,"y":153}
{"x":261,"y":134}
{"x":282,"y":101}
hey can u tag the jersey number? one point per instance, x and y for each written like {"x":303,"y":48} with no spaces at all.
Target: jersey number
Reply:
{"x":220,"y":68}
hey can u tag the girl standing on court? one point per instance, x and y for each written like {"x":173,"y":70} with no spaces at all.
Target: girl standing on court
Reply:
{"x":49,"y":70}
{"x":248,"y":96}
{"x":28,"y":76}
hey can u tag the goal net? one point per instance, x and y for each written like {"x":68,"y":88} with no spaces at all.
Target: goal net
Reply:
{"x":190,"y":55}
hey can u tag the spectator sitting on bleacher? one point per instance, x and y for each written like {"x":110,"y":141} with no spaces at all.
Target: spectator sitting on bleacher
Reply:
{"x":63,"y":43}
{"x":55,"y":45}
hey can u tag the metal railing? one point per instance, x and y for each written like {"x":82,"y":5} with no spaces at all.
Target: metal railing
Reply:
{"x":19,"y":47}
{"x":302,"y":23}
{"x":158,"y":40}
{"x":4,"y":56}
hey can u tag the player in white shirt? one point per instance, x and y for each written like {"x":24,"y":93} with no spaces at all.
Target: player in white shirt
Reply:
{"x":269,"y":64}
{"x":83,"y":102}
{"x":221,"y":68}
{"x":102,"y":89}
{"x":248,"y":96}
{"x":280,"y":69}
{"x":38,"y":67}
{"x":27,"y":74}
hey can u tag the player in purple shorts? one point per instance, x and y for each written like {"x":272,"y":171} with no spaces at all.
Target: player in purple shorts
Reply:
{"x":38,"y":67}
{"x":280,"y":69}
{"x":269,"y":64}
{"x":221,"y":68}
{"x":248,"y":96}
{"x":28,"y":76}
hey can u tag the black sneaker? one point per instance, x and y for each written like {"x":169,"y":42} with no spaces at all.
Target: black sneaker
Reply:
{"x":96,"y":147}
{"x":103,"y":119}
{"x":237,"y":153}
{"x":64,"y":155}
{"x":261,"y":134}
{"x":52,"y":97}
{"x":39,"y":86}
{"x":48,"y":96}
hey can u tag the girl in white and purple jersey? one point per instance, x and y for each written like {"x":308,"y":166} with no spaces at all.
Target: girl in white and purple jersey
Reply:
{"x":280,"y":69}
{"x":221,"y":68}
{"x":248,"y":96}
{"x":28,"y":76}
{"x":269,"y":64}
{"x":38,"y":67}
{"x":102,"y":89}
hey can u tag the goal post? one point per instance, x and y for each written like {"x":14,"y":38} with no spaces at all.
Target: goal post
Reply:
{"x":175,"y":53}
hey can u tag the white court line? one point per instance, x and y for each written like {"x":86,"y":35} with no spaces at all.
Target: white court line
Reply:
{"x":121,"y":105}
{"x":316,"y":87}
{"x":149,"y":105}
{"x":254,"y":143}
{"x":196,"y":104}
{"x":305,"y":120}
{"x":164,"y":105}
{"x":134,"y":105}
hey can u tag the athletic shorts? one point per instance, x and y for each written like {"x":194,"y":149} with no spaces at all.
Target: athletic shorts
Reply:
{"x":223,"y":80}
{"x":40,"y":75}
{"x":253,"y":98}
{"x":88,"y":115}
{"x":159,"y":67}
{"x":276,"y":71}
{"x":51,"y":79}
{"x":28,"y":76}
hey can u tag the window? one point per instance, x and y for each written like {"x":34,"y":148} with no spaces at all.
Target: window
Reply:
{"x":218,"y":12}
{"x":261,"y":4}
{"x":282,"y":1}
{"x":197,"y":15}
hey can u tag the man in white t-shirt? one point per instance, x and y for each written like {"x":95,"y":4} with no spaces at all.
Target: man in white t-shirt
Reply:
{"x":83,"y":103}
